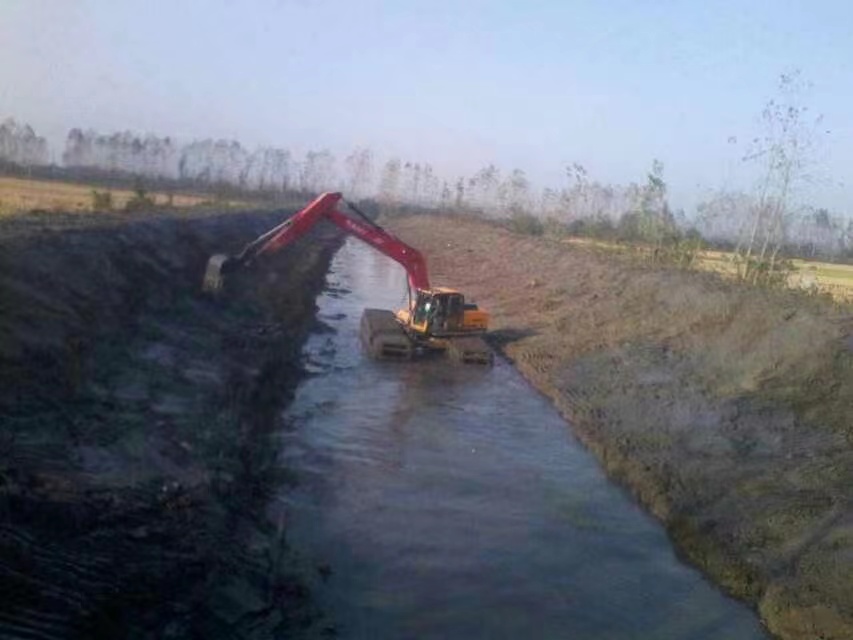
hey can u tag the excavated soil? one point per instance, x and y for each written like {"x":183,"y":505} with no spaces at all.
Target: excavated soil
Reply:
{"x":726,"y":410}
{"x":136,"y":423}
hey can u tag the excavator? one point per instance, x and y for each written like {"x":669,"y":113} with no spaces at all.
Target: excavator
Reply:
{"x":435,"y":318}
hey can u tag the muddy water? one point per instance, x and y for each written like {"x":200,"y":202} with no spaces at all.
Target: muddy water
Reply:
{"x":453,"y":502}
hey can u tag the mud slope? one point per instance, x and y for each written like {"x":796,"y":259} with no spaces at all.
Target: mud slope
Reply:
{"x":135,"y":427}
{"x":727,"y":411}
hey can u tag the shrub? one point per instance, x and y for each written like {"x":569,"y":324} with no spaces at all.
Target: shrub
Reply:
{"x":769,"y":272}
{"x":555,"y":228}
{"x":679,"y":251}
{"x":140,"y":201}
{"x":527,"y":224}
{"x":600,"y":227}
{"x":102,"y":200}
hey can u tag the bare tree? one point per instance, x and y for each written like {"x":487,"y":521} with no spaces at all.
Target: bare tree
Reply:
{"x":724,"y":214}
{"x":389,"y":184}
{"x":359,"y":168}
{"x":549,"y":204}
{"x":483,"y":188}
{"x":819,"y":233}
{"x":20,"y":144}
{"x":574,"y":200}
{"x":514,"y":193}
{"x":446,"y":198}
{"x":785,"y":151}
{"x":459,"y":201}
{"x":430,"y":186}
{"x":318,"y":171}
{"x":656,"y":218}
{"x":411,"y":178}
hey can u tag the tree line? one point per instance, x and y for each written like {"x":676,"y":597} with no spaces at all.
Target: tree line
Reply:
{"x":20,"y":145}
{"x":761,"y":226}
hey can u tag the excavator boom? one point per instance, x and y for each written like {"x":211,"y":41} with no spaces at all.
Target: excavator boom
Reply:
{"x":439,"y":319}
{"x":324,"y":207}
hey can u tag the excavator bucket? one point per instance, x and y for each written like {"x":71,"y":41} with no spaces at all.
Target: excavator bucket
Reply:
{"x":213,"y":275}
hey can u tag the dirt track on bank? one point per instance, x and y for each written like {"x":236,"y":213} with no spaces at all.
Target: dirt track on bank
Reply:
{"x":136,"y":454}
{"x":726,"y":410}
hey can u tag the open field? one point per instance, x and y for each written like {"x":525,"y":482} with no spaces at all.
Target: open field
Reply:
{"x":822,"y":277}
{"x":827,"y":277}
{"x":17,"y":194}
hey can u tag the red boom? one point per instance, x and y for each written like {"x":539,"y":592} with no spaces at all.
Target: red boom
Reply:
{"x":324,"y":206}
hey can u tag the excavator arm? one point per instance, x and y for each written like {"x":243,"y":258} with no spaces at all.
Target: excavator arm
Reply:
{"x":435,"y":319}
{"x":324,"y":207}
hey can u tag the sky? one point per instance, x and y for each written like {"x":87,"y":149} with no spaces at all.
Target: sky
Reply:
{"x":536,"y":85}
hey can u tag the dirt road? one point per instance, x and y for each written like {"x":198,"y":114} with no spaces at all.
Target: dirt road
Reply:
{"x":135,"y":450}
{"x":725,"y":410}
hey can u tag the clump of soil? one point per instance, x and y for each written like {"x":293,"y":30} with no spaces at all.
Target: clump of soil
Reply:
{"x":137,"y":441}
{"x":725,"y":409}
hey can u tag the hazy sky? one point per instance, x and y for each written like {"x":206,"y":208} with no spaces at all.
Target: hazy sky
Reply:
{"x":535,"y":85}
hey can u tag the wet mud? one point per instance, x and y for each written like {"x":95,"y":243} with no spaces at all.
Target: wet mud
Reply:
{"x":136,"y":422}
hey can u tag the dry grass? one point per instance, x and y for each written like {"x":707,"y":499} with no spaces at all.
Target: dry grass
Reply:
{"x":18,"y":194}
{"x":820,"y":277}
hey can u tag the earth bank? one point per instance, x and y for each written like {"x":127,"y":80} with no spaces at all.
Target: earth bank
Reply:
{"x":136,"y":455}
{"x":726,"y":410}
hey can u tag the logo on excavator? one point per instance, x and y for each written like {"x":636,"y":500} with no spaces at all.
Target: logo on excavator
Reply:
{"x":360,"y":231}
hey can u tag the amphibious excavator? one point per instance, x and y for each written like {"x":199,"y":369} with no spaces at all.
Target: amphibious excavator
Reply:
{"x":435,"y":319}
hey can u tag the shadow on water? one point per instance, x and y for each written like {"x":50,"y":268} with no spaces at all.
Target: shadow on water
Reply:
{"x":453,"y":502}
{"x":508,"y":335}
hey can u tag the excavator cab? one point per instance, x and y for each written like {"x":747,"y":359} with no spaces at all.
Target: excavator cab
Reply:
{"x":438,"y":313}
{"x":443,"y":312}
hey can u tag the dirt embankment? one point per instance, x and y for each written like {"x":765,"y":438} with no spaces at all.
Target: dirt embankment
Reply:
{"x":728,"y":411}
{"x":137,"y":420}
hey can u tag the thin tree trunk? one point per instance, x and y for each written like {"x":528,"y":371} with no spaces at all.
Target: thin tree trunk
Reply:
{"x":776,"y":220}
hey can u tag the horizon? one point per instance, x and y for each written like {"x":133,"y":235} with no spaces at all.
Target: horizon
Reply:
{"x":456,"y":87}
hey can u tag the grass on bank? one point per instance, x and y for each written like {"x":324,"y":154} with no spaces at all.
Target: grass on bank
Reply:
{"x":22,"y":194}
{"x":813,"y":276}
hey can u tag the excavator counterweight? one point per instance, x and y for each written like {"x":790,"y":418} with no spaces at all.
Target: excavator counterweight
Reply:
{"x":435,"y":319}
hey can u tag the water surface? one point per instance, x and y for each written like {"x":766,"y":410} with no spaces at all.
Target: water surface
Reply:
{"x":453,"y":502}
